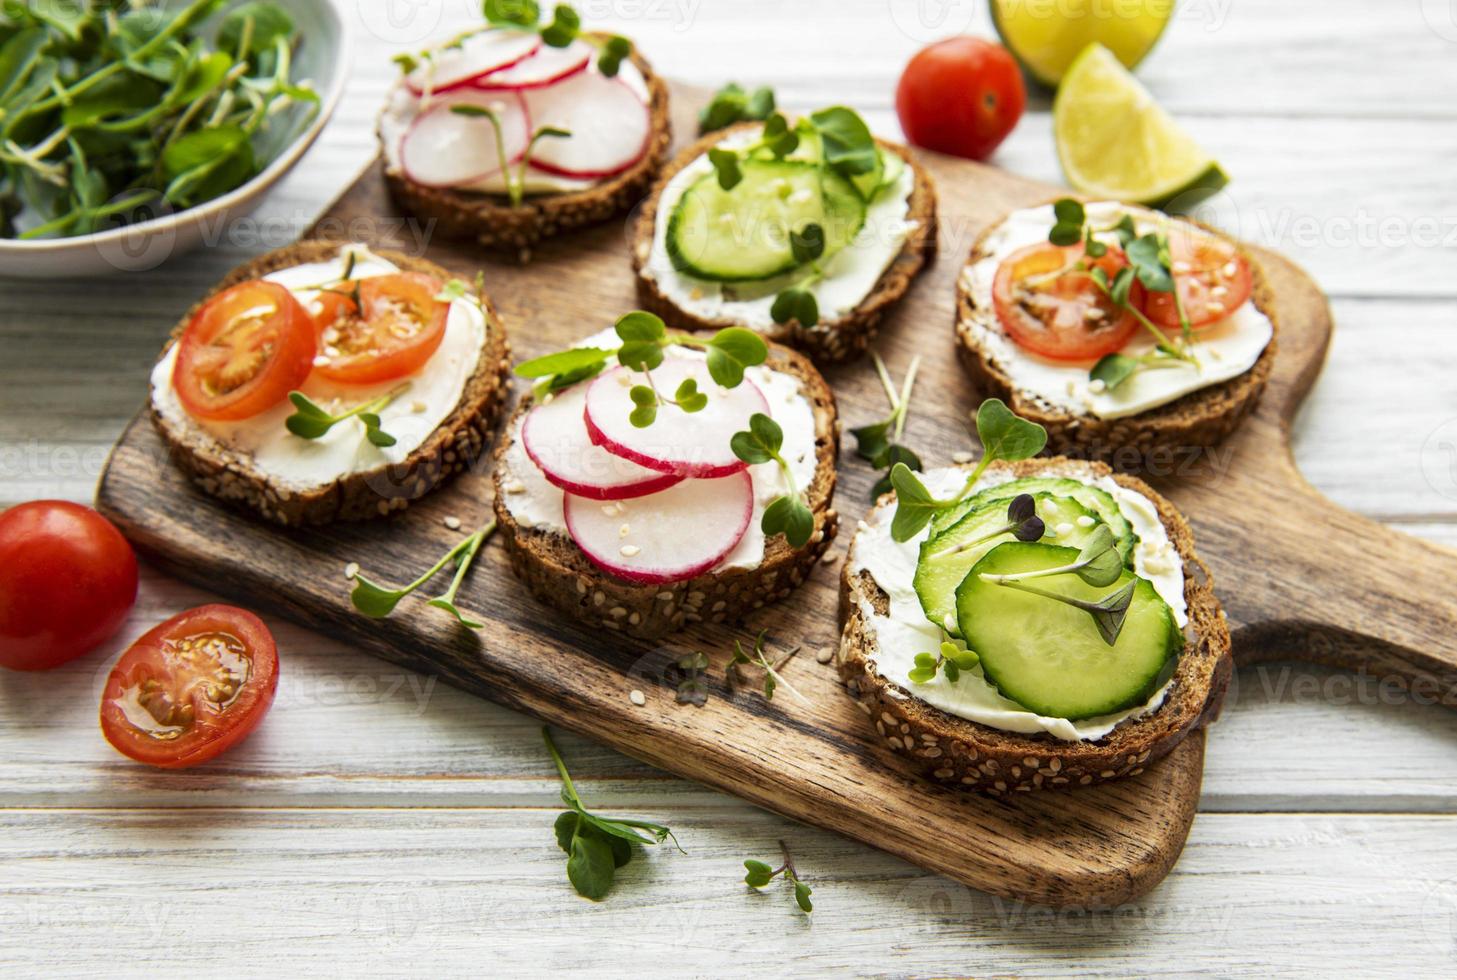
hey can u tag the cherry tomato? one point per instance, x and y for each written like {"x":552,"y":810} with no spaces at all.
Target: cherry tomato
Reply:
{"x":190,"y":688}
{"x":1212,"y":277}
{"x":960,"y":96}
{"x":67,"y":581}
{"x":1046,"y":299}
{"x":402,"y":325}
{"x":243,"y":352}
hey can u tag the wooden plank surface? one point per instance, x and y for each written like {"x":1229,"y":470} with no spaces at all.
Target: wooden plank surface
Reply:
{"x":1355,"y":88}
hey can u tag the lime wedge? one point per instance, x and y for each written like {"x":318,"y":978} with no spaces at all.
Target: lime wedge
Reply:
{"x":1115,"y":142}
{"x":1047,"y":40}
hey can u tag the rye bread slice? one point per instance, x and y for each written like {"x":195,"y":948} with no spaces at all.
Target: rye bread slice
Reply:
{"x":829,"y":341}
{"x":557,"y":572}
{"x":457,"y":443}
{"x":491,"y":221}
{"x":966,"y":754}
{"x":1155,"y":441}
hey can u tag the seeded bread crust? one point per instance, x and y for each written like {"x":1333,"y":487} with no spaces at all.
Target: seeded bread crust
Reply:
{"x":557,"y":572}
{"x":966,"y":754}
{"x":493,"y":223}
{"x":1153,"y":441}
{"x":829,"y":341}
{"x":456,"y":444}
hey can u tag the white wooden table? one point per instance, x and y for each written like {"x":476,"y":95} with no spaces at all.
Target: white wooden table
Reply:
{"x":381,"y":822}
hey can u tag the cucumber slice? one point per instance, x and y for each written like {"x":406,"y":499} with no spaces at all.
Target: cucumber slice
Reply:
{"x":1099,"y":501}
{"x":743,"y":234}
{"x":893,"y":167}
{"x":938,"y":572}
{"x":1048,"y":656}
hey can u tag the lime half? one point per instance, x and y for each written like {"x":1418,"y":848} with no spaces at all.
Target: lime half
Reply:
{"x":1116,"y":142}
{"x":1047,"y":36}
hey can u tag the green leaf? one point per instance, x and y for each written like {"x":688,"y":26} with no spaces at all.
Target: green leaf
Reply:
{"x":590,"y":866}
{"x":1064,"y":234}
{"x":1113,"y":370}
{"x":565,"y":24}
{"x":566,"y":828}
{"x":795,"y":304}
{"x":375,"y":601}
{"x":67,"y":17}
{"x":730,"y":351}
{"x":1121,"y":286}
{"x":203,"y":75}
{"x":376,"y":435}
{"x":1111,"y":611}
{"x":788,"y":516}
{"x":1093,"y":248}
{"x":270,"y":22}
{"x":952,"y":671}
{"x":914,"y":504}
{"x":20,"y":54}
{"x":1069,"y":212}
{"x":641,"y":326}
{"x":473,"y":111}
{"x":523,"y":13}
{"x":760,"y":874}
{"x":1005,"y":435}
{"x":926,"y":660}
{"x":613,"y":52}
{"x":808,"y":243}
{"x":726,"y":166}
{"x":202,"y":147}
{"x":1127,"y":231}
{"x":1145,"y":256}
{"x":689,"y":398}
{"x":848,"y":146}
{"x":575,"y":359}
{"x":643,"y":416}
{"x":725,"y":108}
{"x":802,"y":893}
{"x":896,"y":453}
{"x":440,"y":602}
{"x":872,"y":440}
{"x":921,"y":675}
{"x":640,"y":355}
{"x":760,"y":103}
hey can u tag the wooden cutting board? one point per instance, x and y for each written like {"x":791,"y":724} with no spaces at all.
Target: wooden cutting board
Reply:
{"x":1284,"y":561}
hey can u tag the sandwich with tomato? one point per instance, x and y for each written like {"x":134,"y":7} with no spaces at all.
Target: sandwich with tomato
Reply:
{"x":1132,"y":336}
{"x":328,"y":381}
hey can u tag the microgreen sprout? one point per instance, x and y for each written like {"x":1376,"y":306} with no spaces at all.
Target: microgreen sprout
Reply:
{"x":311,"y":420}
{"x":786,"y":514}
{"x":1098,"y":563}
{"x":732,"y":104}
{"x":693,"y":688}
{"x":515,"y":182}
{"x":597,"y":846}
{"x":1022,"y":522}
{"x":760,"y":875}
{"x":951,"y":661}
{"x":1108,"y":612}
{"x":879,"y":442}
{"x":772,"y":676}
{"x":377,"y":601}
{"x":1004,"y":436}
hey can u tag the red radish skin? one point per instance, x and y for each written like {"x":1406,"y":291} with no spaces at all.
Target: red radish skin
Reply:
{"x":610,"y":126}
{"x":670,"y":536}
{"x":546,"y":67}
{"x":555,"y":438}
{"x":478,"y":55}
{"x":445,"y":149}
{"x":690,"y":444}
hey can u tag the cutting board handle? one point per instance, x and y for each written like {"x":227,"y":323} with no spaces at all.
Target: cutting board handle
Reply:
{"x":1341,"y":590}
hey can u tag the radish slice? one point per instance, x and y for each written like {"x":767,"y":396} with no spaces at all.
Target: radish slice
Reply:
{"x":554,"y":435}
{"x":547,"y":66}
{"x":479,"y":54}
{"x":608,"y":122}
{"x":669,"y":536}
{"x":686,"y":443}
{"x":446,"y":149}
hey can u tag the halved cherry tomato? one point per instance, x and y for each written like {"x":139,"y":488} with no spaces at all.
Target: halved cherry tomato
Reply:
{"x":1212,"y":277}
{"x":1055,"y":310}
{"x":401,"y":326}
{"x":244,"y":352}
{"x":191,"y":688}
{"x":67,"y":581}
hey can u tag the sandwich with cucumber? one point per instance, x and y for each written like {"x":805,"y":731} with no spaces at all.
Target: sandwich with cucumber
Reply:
{"x":329,"y":381}
{"x":523,"y":128}
{"x":804,"y":231}
{"x":655,"y":477}
{"x":1029,"y":623}
{"x":1132,"y":336}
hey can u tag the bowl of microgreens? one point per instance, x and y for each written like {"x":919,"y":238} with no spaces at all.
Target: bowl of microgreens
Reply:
{"x":131,"y":129}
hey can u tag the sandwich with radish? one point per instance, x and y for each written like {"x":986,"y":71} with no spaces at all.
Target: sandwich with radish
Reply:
{"x":656,"y":478}
{"x":1133,"y":337}
{"x":329,"y":381}
{"x":804,"y":231}
{"x":520,"y":130}
{"x":1029,"y":623}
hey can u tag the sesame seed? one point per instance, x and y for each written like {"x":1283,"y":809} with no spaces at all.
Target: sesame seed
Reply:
{"x":962,"y":457}
{"x":630,"y":550}
{"x":515,"y":486}
{"x":1086,"y":521}
{"x":624,"y":531}
{"x":1064,"y":528}
{"x":417,"y":406}
{"x":829,"y":558}
{"x":824,"y":655}
{"x":452,"y":522}
{"x":1182,"y":267}
{"x":1093,"y":313}
{"x":320,"y":361}
{"x":1219,"y":292}
{"x":351,"y":569}
{"x":1097,"y":386}
{"x":638,"y":698}
{"x":1230,"y":270}
{"x":1215,"y":308}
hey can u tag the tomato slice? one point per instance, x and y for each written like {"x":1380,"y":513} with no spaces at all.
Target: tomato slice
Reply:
{"x":191,"y":688}
{"x":380,"y":328}
{"x":1212,"y":277}
{"x":243,"y":352}
{"x":1048,"y":303}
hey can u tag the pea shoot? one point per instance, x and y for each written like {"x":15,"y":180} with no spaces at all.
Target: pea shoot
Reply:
{"x":773,"y":677}
{"x":564,"y":27}
{"x":311,"y":420}
{"x":760,"y":875}
{"x":732,"y":104}
{"x":879,"y":443}
{"x":786,"y":514}
{"x":377,"y":601}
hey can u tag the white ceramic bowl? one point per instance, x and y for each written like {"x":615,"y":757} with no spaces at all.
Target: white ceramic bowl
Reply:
{"x":323,"y":56}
